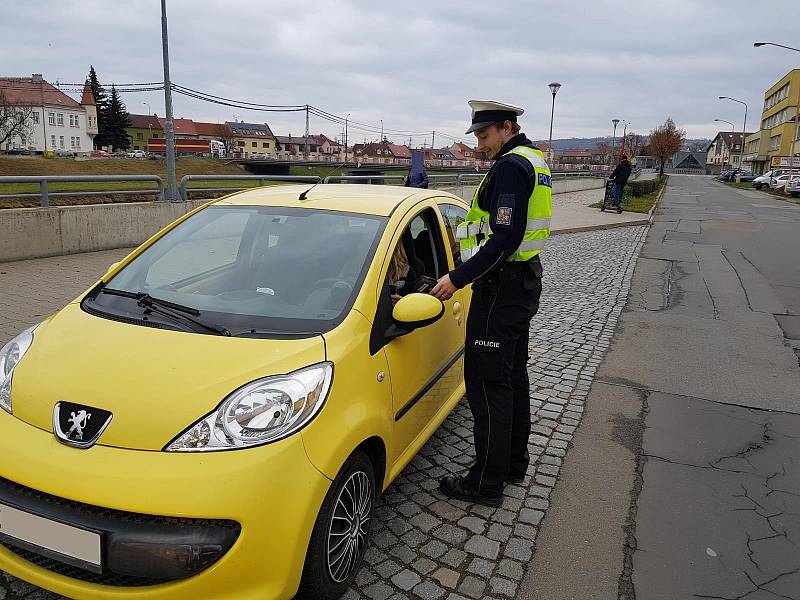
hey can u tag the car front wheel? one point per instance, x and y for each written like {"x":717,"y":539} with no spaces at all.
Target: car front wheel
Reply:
{"x":341,"y":533}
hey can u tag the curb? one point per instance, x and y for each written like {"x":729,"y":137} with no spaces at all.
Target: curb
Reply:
{"x":652,"y":212}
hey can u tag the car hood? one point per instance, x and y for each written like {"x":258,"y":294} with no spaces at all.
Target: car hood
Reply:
{"x":155,"y":382}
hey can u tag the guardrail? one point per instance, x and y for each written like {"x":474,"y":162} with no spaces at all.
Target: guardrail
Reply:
{"x":44,"y":194}
{"x":184,"y":186}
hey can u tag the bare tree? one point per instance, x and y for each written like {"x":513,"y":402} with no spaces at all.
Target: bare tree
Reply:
{"x":15,"y":121}
{"x":228,"y":138}
{"x":665,"y":141}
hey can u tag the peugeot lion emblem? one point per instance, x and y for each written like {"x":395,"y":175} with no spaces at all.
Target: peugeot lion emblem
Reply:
{"x":77,"y":425}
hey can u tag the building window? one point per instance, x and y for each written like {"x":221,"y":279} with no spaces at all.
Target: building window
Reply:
{"x":139,"y":135}
{"x":52,"y":141}
{"x":265,"y":144}
{"x":36,"y":117}
{"x":78,"y":142}
{"x":77,"y":123}
{"x":240,"y":144}
{"x":774,"y":142}
{"x":72,"y":141}
{"x":254,"y":144}
{"x":71,"y":121}
{"x":60,"y":119}
{"x":51,"y":118}
{"x":61,"y":141}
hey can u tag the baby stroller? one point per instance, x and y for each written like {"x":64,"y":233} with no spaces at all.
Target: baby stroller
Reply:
{"x":608,"y":198}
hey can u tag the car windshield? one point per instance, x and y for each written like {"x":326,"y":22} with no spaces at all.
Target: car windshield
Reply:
{"x":252,"y":270}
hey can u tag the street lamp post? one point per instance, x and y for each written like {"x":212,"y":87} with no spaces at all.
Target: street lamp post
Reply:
{"x":796,"y":128}
{"x":169,"y":132}
{"x":149,"y":129}
{"x":614,"y":139}
{"x":554,"y":87}
{"x":624,"y":133}
{"x":733,"y":132}
{"x":345,"y":138}
{"x":744,"y":129}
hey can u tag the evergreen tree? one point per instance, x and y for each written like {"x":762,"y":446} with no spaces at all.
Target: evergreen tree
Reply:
{"x":101,"y":101}
{"x":117,"y":119}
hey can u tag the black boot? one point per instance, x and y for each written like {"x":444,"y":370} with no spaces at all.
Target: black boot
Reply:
{"x":453,"y":487}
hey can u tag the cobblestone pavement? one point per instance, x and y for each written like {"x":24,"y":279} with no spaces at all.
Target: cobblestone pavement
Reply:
{"x":427,"y":547}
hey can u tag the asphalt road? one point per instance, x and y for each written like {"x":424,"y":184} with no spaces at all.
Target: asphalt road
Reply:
{"x":684,"y":479}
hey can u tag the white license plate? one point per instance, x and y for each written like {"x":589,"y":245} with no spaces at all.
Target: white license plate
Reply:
{"x":69,"y":541}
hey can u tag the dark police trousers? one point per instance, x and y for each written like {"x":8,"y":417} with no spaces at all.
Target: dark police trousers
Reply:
{"x":496,"y":375}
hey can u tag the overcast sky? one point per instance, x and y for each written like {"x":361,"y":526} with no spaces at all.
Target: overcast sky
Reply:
{"x":415,"y":64}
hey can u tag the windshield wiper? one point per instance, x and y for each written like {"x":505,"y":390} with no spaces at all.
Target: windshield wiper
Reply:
{"x":159,"y":306}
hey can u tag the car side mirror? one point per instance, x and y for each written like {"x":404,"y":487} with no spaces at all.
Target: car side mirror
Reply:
{"x":414,"y":311}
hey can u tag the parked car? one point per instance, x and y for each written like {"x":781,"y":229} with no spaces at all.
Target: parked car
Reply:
{"x":19,"y":151}
{"x":264,"y":391}
{"x":99,"y":154}
{"x":136,"y":154}
{"x":794,"y":187}
{"x":780,"y":181}
{"x":258,"y":156}
{"x":64,"y":153}
{"x":745,"y":176}
{"x":762,"y":181}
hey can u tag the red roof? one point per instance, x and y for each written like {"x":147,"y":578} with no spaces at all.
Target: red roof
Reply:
{"x":87,"y":98}
{"x":399,"y":151}
{"x":575,"y":153}
{"x":34,"y":91}
{"x":180,"y":126}
{"x":212,"y":129}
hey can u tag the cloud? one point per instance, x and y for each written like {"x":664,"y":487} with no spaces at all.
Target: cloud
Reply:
{"x":414,"y":64}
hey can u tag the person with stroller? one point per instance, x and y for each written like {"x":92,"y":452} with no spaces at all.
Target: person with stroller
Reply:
{"x":620,"y":177}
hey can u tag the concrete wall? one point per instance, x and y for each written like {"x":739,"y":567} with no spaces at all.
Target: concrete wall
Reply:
{"x":38,"y":232}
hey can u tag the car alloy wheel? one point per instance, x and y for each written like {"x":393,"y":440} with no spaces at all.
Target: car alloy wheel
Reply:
{"x":341,"y":533}
{"x":349,"y":526}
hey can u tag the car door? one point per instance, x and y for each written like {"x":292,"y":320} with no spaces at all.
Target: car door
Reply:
{"x":426,"y":365}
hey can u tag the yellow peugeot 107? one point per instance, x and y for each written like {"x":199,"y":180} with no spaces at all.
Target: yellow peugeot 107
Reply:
{"x":216,"y":416}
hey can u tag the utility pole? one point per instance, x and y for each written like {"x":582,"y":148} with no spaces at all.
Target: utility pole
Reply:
{"x":433,"y":139}
{"x":345,"y":139}
{"x":306,"y":131}
{"x":169,"y":131}
{"x":381,"y":131}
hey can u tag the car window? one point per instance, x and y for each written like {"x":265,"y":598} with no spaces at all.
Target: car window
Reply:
{"x":453,"y":216}
{"x":276,"y":268}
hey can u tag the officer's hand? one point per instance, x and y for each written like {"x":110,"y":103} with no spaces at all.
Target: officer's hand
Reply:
{"x":444,"y":289}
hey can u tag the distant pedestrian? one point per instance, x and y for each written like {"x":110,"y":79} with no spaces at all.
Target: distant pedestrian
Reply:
{"x":620,"y":176}
{"x":417,"y":176}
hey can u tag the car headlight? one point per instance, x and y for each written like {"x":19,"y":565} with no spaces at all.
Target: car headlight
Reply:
{"x":262,"y":411}
{"x":10,"y":355}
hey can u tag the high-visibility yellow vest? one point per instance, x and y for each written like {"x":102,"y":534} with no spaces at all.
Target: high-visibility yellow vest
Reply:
{"x":476,"y":230}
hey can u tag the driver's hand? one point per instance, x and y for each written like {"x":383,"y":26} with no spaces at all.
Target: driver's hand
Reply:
{"x":444,"y":289}
{"x":395,"y":298}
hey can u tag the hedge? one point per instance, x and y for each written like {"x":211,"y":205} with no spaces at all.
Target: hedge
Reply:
{"x":642,"y":188}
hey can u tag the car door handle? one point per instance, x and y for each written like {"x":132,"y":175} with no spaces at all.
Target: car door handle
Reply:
{"x":457,"y":311}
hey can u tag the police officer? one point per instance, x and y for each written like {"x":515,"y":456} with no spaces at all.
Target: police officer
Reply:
{"x":500,"y":241}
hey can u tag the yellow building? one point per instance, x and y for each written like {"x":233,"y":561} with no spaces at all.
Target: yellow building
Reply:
{"x":779,"y":125}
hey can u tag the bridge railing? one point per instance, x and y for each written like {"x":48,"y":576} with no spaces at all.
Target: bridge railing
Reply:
{"x":185,"y":189}
{"x":44,"y":193}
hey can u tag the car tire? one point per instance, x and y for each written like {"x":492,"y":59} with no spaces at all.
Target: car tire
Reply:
{"x":341,"y":534}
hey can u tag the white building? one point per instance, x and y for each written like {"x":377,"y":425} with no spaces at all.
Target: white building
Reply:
{"x":57,"y":121}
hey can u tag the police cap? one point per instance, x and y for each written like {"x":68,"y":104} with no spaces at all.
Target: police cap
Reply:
{"x":488,"y":112}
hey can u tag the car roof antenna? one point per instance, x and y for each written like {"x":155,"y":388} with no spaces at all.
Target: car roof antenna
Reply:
{"x":304,"y":195}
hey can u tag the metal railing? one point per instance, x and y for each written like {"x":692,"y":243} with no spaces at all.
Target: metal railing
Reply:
{"x":185,"y":189}
{"x":457,"y":180}
{"x":44,"y":193}
{"x":366,"y":178}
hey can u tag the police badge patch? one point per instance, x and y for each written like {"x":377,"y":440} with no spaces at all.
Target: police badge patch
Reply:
{"x":503,"y":215}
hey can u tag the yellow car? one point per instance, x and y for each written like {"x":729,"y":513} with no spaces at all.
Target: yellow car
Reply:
{"x":216,"y":416}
